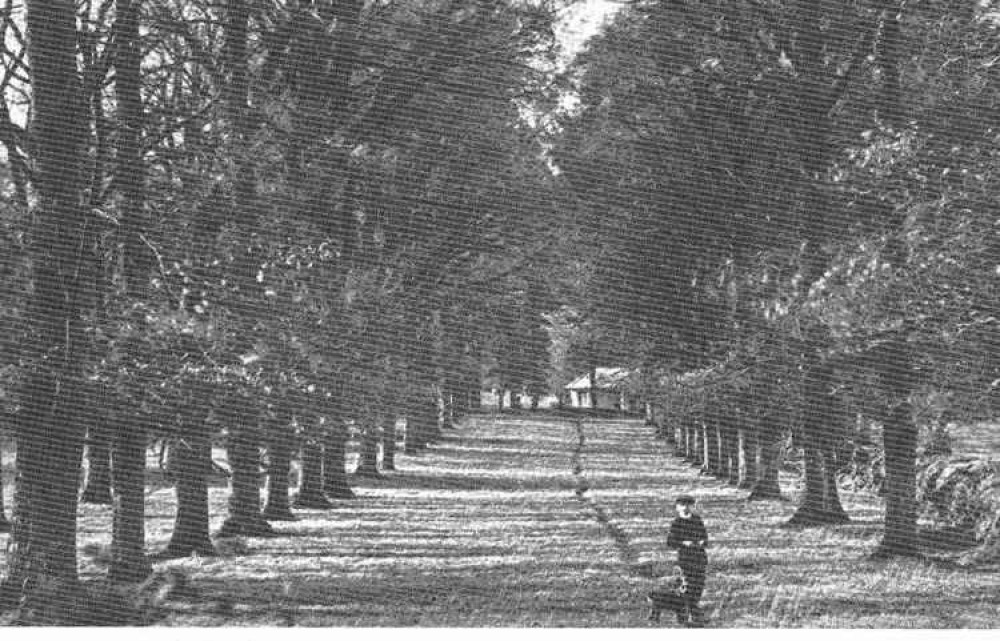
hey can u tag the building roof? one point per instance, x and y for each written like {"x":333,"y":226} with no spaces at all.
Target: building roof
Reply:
{"x":608,"y":378}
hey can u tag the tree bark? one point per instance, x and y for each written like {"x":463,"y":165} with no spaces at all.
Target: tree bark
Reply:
{"x":279,"y":462}
{"x":450,"y":392}
{"x":897,"y":375}
{"x":680,"y":441}
{"x":389,"y":444}
{"x":713,"y":447}
{"x":311,"y":480}
{"x":766,"y":487}
{"x":421,"y":416}
{"x":245,"y":518}
{"x":129,"y":563}
{"x":698,"y":451}
{"x":368,"y":464}
{"x":475,"y":398}
{"x":686,"y":442}
{"x":747,"y":458}
{"x":4,"y":523}
{"x":434,"y":432}
{"x":97,"y":489}
{"x":812,"y":125}
{"x":322,"y":95}
{"x":900,"y":444}
{"x":190,"y":464}
{"x":128,"y":540}
{"x":335,"y":484}
{"x":821,"y":501}
{"x":50,"y":438}
{"x":731,"y":451}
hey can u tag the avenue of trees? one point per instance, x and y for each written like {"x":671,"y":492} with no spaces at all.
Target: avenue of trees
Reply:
{"x":254,"y":225}
{"x":262,"y":225}
{"x":790,"y":230}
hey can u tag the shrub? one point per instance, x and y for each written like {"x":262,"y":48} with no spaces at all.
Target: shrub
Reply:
{"x":962,"y":493}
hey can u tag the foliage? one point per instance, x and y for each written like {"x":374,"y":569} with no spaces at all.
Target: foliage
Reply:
{"x":961,"y":494}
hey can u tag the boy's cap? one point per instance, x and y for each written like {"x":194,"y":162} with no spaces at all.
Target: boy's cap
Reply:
{"x":685,"y":499}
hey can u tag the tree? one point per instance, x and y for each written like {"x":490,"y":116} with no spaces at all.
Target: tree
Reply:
{"x":281,"y":435}
{"x":49,"y":440}
{"x":311,"y":494}
{"x":4,"y":523}
{"x":129,"y":561}
{"x":190,"y":464}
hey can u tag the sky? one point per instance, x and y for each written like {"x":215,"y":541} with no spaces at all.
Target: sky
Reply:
{"x":581,"y":21}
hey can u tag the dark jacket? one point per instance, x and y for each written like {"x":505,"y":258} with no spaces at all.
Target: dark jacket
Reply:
{"x":691,"y":529}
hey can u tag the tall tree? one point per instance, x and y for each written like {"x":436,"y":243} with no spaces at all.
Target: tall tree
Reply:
{"x":190,"y":463}
{"x":128,"y":555}
{"x":310,"y":495}
{"x":241,"y":413}
{"x":49,"y":437}
{"x":279,"y":457}
{"x":4,"y":523}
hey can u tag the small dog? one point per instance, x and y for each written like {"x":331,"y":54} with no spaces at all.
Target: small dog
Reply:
{"x":669,"y":595}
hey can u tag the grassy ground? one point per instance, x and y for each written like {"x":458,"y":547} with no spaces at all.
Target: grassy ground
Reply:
{"x":490,"y":527}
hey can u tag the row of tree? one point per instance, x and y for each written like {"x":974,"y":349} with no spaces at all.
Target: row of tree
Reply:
{"x":258,"y":222}
{"x":790,"y":230}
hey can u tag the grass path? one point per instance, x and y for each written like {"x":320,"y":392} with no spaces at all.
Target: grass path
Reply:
{"x":535,"y":521}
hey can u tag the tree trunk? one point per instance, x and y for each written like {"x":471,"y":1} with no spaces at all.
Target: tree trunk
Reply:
{"x":684,"y":442}
{"x":434,"y":431}
{"x":766,"y":487}
{"x":900,"y":444}
{"x":279,"y":462}
{"x":698,"y":445}
{"x":453,"y":410}
{"x":747,"y":458}
{"x":4,"y":523}
{"x":42,"y":548}
{"x":190,"y":464}
{"x":389,"y":444}
{"x":418,"y":421}
{"x":900,"y":432}
{"x":680,"y":441}
{"x":811,"y":125}
{"x":368,"y":464}
{"x":713,"y":448}
{"x":129,"y":563}
{"x":311,"y":480}
{"x":444,"y":401}
{"x":335,"y":484}
{"x":245,"y":517}
{"x":731,"y":451}
{"x":821,"y":501}
{"x":97,"y":489}
{"x":475,"y":399}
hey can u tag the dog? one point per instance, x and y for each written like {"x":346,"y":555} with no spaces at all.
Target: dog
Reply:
{"x":669,"y":595}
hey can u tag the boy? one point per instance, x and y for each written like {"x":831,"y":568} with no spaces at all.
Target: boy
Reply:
{"x":689,"y":538}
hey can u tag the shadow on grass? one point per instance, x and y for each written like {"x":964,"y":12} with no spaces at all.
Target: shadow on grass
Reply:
{"x":414,"y":588}
{"x":946,"y":539}
{"x":470,"y":482}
